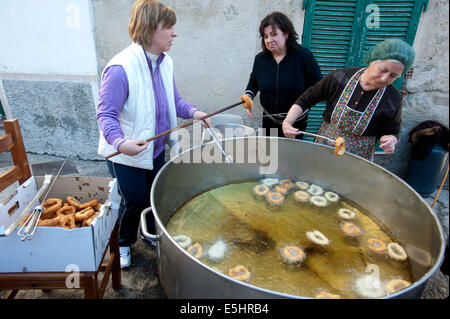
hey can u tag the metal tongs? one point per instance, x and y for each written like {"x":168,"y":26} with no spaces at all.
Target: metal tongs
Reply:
{"x":228,"y":158}
{"x":29,"y":226}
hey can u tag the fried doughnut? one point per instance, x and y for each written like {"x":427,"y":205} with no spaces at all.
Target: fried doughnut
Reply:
{"x":317,"y":237}
{"x":24,"y":219}
{"x":55,"y":221}
{"x":302,"y":185}
{"x":91,"y":203}
{"x":261,"y":190}
{"x":51,"y":205}
{"x":319,"y":201}
{"x":46,"y":215}
{"x":67,"y":221}
{"x":293,"y":254}
{"x":326,"y":295}
{"x":87,"y":222}
{"x":196,"y":250}
{"x":239,"y":272}
{"x":66,"y":210}
{"x":183,"y":240}
{"x":346,"y":213}
{"x":99,"y":205}
{"x":72,"y":201}
{"x":247,"y":101}
{"x":301,"y":196}
{"x":350,"y":229}
{"x":332,"y":197}
{"x":281,"y":189}
{"x":396,"y":285}
{"x":84,"y":214}
{"x":339,"y":146}
{"x":286,"y":183}
{"x":395,"y":251}
{"x":377,"y":246}
{"x":315,"y":190}
{"x":275,"y":198}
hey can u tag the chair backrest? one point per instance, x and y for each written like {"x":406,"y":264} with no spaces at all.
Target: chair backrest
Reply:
{"x":12,"y":141}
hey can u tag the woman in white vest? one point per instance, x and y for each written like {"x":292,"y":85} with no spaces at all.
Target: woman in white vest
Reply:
{"x":138,"y":99}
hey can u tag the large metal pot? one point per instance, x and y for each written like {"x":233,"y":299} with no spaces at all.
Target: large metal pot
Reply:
{"x":390,"y":200}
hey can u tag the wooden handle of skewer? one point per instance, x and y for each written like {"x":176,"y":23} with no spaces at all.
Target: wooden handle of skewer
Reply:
{"x":185,"y":124}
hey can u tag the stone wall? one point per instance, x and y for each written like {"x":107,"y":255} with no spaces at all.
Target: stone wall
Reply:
{"x":213,"y":55}
{"x":48,"y":75}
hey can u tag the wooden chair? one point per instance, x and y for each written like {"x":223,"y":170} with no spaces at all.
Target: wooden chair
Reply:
{"x":12,"y":141}
{"x":89,"y":281}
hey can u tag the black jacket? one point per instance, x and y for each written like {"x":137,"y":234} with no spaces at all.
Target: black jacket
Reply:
{"x":385,"y":121}
{"x":281,"y":84}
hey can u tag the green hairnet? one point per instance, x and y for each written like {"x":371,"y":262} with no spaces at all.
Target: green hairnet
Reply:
{"x":392,"y":49}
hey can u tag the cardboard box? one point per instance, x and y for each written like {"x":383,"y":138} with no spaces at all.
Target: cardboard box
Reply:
{"x":55,"y":249}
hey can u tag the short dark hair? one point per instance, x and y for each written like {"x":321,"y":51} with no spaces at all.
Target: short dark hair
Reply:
{"x":282,"y":22}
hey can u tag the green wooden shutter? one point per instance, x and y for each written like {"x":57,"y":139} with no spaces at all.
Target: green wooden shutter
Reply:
{"x":398,"y":19}
{"x":338,"y":35}
{"x":329,"y":30}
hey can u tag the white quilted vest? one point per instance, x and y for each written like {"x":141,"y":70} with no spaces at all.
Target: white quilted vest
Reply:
{"x":137,"y":117}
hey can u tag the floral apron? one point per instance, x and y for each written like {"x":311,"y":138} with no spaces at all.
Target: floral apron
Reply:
{"x":351,"y":124}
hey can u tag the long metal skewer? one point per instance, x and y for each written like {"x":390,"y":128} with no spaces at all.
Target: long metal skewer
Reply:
{"x":184,"y":125}
{"x":339,"y":143}
{"x":316,"y":135}
{"x":228,"y":158}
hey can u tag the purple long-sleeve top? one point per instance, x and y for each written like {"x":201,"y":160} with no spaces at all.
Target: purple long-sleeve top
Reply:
{"x":113,"y":94}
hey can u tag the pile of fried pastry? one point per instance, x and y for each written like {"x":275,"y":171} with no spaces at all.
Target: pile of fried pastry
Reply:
{"x":68,"y":214}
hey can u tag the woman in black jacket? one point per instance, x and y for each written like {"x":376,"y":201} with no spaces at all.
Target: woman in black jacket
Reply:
{"x":281,"y":72}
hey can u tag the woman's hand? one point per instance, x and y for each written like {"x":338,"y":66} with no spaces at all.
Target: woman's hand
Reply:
{"x":249,"y":114}
{"x":387,"y":143}
{"x":293,"y":114}
{"x":199,"y":114}
{"x":288,"y":130}
{"x":133,"y":147}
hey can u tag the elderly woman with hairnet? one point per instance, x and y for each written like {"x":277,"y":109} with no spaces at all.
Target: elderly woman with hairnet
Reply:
{"x":362,"y":105}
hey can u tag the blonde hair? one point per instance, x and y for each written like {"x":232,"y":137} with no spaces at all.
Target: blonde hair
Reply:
{"x":145,"y":17}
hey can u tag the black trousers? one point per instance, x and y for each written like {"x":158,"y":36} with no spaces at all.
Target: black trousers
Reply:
{"x":134,"y":186}
{"x":267,"y":123}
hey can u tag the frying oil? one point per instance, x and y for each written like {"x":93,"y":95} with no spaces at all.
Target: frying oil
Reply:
{"x":254,"y":233}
